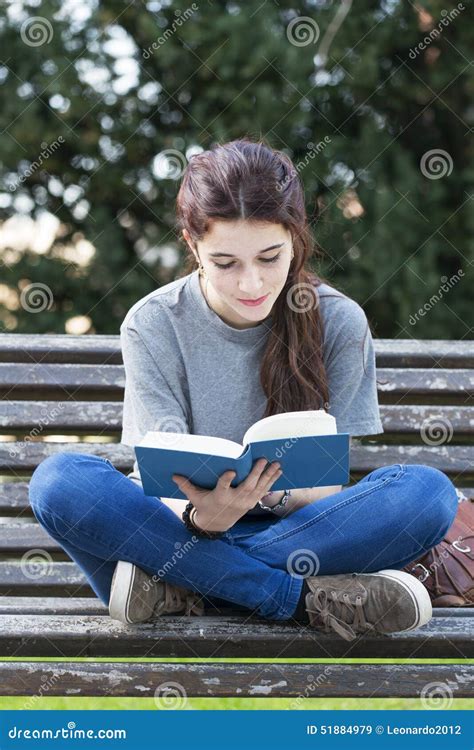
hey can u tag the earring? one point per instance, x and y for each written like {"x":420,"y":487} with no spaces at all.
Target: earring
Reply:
{"x":201,"y":270}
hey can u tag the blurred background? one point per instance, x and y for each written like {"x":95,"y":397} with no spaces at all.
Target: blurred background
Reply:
{"x":103,"y":103}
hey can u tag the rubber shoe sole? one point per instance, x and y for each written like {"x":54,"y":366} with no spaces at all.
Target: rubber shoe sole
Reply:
{"x":128,"y":593}
{"x":419,"y":594}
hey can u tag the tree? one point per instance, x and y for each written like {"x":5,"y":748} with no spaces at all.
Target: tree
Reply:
{"x":92,"y":107}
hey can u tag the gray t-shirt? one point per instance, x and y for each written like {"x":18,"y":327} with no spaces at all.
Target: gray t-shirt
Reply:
{"x":187,"y":370}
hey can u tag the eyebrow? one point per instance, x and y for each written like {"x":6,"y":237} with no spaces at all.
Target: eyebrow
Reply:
{"x":228,"y":255}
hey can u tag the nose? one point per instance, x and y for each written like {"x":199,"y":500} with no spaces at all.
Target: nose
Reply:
{"x":251,"y":283}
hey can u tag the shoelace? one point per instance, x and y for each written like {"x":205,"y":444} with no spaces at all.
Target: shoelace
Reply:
{"x":177,"y":599}
{"x":330,"y":611}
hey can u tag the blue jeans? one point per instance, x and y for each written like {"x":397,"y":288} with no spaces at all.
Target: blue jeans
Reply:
{"x":99,"y":516}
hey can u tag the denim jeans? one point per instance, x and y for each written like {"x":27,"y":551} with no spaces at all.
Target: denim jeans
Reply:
{"x":99,"y":516}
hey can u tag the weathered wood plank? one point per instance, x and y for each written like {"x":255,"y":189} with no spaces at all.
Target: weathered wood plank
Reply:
{"x":25,"y":456}
{"x":222,"y":680}
{"x":77,"y":378}
{"x":413,"y":383}
{"x":76,"y":605}
{"x":49,"y":416}
{"x":417,"y":421}
{"x":56,"y":578}
{"x":454,"y":460}
{"x":86,"y":417}
{"x":424,"y":353}
{"x":57,"y":605}
{"x":21,"y":537}
{"x":247,"y":637}
{"x":105,"y":349}
{"x":36,"y":376}
{"x":59,"y":348}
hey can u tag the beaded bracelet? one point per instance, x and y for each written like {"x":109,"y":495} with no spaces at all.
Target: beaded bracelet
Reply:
{"x":188,"y":522}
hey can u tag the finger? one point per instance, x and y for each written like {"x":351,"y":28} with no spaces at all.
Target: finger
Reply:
{"x":269,"y":476}
{"x":256,"y":474}
{"x":226,"y":478}
{"x":183,"y":483}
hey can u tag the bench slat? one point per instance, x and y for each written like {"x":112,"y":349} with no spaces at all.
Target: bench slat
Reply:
{"x":453,"y":459}
{"x":246,"y":637}
{"x":106,"y":416}
{"x":37,"y":376}
{"x":77,"y":378}
{"x":74,"y":416}
{"x":51,"y":348}
{"x":26,"y":536}
{"x":85,"y":605}
{"x":61,"y":605}
{"x":58,"y":578}
{"x":105,"y":349}
{"x":222,"y":680}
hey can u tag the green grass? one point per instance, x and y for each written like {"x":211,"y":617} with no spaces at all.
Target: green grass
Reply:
{"x":232,"y":704}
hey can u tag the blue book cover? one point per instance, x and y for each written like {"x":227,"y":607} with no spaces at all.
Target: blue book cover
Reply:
{"x":306,"y":461}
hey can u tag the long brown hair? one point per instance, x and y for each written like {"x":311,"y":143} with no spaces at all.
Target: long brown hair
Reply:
{"x":244,"y":179}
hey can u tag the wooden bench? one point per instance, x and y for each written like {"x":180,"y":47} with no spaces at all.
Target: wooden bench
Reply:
{"x":57,"y":385}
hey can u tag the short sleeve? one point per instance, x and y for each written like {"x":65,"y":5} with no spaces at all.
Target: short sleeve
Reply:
{"x":351,"y":369}
{"x":150,"y":401}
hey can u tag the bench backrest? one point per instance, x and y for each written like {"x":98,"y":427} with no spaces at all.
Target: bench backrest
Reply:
{"x":60,"y":385}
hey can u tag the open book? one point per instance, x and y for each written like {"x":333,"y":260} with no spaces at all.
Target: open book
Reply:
{"x":305,"y":443}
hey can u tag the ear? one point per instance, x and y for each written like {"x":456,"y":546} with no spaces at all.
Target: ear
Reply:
{"x":188,"y":239}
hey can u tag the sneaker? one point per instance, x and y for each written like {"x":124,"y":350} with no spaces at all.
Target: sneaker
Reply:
{"x":136,"y":597}
{"x":388,"y":601}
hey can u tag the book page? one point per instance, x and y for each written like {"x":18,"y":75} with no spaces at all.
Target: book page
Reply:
{"x":183,"y":441}
{"x":291,"y":424}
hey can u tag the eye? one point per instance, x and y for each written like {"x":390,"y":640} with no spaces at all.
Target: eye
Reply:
{"x":263,"y":260}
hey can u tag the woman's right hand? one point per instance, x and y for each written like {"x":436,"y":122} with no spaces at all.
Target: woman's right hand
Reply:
{"x":220,"y":508}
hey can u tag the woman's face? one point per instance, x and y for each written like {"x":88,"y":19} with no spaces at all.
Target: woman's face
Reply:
{"x":243,"y":260}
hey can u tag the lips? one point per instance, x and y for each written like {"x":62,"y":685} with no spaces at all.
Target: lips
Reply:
{"x":253,"y":302}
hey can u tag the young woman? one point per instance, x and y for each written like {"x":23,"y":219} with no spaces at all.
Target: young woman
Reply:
{"x":252,"y":332}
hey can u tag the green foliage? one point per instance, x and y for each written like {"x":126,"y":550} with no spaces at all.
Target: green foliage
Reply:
{"x":390,"y":234}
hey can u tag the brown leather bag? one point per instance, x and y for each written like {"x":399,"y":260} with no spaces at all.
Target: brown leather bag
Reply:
{"x":447,"y":570}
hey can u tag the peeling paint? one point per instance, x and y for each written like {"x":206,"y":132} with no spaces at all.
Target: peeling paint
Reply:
{"x":266,"y":689}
